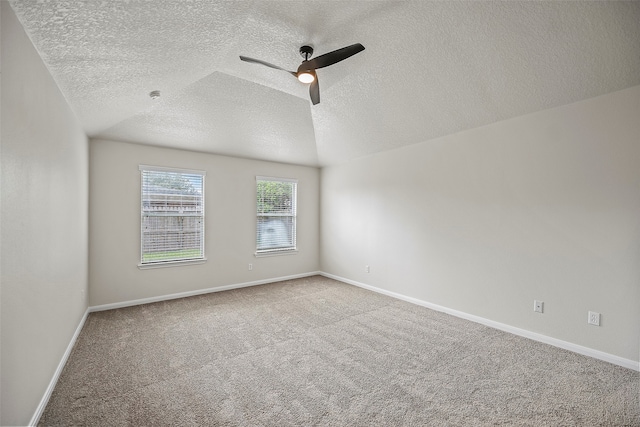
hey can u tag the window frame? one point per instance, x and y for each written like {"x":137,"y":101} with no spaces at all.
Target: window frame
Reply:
{"x":201,"y":258}
{"x":294,"y":217}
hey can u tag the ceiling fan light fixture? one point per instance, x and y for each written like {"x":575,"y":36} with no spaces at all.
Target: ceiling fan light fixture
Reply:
{"x":307,"y":76}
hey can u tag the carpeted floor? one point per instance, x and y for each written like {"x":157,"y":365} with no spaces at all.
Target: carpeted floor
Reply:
{"x":318,"y":352}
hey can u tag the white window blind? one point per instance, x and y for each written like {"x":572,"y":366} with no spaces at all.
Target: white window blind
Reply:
{"x":276,"y":221}
{"x":172,"y":215}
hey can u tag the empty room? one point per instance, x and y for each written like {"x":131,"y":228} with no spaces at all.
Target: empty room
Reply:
{"x":328,"y":213}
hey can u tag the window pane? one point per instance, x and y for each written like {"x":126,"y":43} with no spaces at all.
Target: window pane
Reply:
{"x":276,"y":197}
{"x":172,"y":216}
{"x":275,"y":232}
{"x":276,"y":214}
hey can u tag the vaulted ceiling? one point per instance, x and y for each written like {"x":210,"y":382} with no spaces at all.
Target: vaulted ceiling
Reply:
{"x":429,"y":69}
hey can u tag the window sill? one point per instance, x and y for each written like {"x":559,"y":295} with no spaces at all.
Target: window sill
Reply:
{"x":171,"y":263}
{"x":275,"y":253}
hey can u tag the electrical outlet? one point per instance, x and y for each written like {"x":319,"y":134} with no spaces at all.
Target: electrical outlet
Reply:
{"x":250,"y":267}
{"x":538,"y":306}
{"x":367,"y":269}
{"x":594,"y":318}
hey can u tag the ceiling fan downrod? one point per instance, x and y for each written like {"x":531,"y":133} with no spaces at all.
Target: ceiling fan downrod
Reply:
{"x":306,"y":52}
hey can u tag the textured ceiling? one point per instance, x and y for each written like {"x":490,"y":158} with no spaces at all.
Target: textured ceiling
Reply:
{"x":429,"y":69}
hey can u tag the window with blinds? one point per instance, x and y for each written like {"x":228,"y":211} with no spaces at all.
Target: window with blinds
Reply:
{"x":172,"y":215}
{"x":276,"y":221}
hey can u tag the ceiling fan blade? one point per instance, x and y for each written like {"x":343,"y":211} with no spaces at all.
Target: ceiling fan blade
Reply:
{"x":258,"y":61}
{"x":314,"y":91}
{"x":332,"y":57}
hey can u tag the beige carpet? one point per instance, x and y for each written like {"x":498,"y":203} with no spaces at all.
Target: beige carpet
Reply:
{"x":318,"y":352}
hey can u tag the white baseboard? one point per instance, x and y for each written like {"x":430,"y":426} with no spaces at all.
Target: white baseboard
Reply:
{"x":197,"y":292}
{"x":54,"y":380}
{"x":585,"y":351}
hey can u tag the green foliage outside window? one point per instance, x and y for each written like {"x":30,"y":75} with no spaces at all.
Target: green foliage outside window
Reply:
{"x":274,"y":196}
{"x":174,"y":181}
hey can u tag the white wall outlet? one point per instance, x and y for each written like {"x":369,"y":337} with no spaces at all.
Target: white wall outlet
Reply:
{"x":538,"y":306}
{"x":594,"y":318}
{"x":367,"y":269}
{"x":250,"y":267}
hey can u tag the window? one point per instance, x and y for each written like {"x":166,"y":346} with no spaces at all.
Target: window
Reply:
{"x":276,"y":222}
{"x":171,"y":215}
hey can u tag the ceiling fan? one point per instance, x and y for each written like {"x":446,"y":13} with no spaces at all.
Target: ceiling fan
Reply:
{"x":306,"y":72}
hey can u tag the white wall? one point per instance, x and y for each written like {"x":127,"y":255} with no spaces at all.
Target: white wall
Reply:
{"x":230,"y":208}
{"x":544,"y":206}
{"x":43,"y":225}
